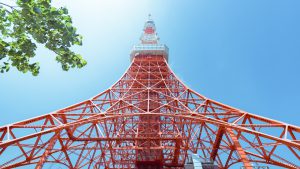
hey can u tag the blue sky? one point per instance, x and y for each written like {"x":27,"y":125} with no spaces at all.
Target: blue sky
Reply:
{"x":242,"y":53}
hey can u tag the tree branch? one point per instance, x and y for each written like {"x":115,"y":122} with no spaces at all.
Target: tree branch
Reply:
{"x":10,"y":6}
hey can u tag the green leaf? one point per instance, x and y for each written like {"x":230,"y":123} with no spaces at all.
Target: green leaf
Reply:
{"x":37,"y":21}
{"x":37,"y":10}
{"x":65,"y":10}
{"x":65,"y":67}
{"x":2,"y":56}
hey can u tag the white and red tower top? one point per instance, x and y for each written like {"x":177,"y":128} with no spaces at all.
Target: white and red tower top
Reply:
{"x":149,"y":35}
{"x":149,"y":43}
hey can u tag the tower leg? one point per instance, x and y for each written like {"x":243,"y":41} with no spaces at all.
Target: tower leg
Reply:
{"x":238,"y":147}
{"x":217,"y":143}
{"x":44,"y":157}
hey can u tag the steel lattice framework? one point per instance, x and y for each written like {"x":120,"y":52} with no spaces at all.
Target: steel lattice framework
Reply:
{"x":148,"y":119}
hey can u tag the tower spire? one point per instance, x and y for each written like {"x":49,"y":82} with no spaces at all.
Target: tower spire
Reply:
{"x":149,"y":16}
{"x":149,"y":35}
{"x":149,"y":42}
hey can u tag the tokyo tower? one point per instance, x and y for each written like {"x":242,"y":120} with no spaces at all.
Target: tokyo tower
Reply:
{"x":149,"y":119}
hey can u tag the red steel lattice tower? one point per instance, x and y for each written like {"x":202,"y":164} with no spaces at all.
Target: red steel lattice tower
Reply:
{"x":148,"y":119}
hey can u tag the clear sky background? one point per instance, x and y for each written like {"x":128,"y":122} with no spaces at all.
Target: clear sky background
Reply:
{"x":242,"y":53}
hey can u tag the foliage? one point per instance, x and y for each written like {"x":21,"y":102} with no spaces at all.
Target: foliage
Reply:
{"x":36,"y":21}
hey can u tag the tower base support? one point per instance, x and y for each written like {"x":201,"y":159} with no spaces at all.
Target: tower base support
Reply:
{"x":194,"y":162}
